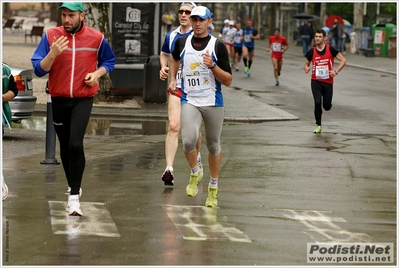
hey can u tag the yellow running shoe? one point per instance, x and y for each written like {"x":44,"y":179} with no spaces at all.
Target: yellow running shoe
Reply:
{"x":317,"y":130}
{"x":212,"y":199}
{"x":192,"y":186}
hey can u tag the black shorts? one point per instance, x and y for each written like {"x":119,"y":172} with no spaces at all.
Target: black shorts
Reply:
{"x":250,"y":49}
{"x":238,"y":50}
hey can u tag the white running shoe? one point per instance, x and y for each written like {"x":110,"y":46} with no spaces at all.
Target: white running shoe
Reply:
{"x":4,"y":188}
{"x":73,"y":206}
{"x":68,"y":192}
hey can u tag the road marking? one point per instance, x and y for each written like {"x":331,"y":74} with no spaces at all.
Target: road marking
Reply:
{"x":96,"y":220}
{"x":200,"y":223}
{"x":311,"y":215}
{"x":322,"y":227}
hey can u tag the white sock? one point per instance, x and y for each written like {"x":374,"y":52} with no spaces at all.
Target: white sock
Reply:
{"x":195,"y":170}
{"x":169,"y":168}
{"x":213,"y":183}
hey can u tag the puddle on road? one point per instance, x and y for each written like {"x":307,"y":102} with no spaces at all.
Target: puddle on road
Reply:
{"x":104,"y":127}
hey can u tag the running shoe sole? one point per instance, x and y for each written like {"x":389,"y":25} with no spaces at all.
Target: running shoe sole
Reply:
{"x":75,"y":213}
{"x":167,"y":178}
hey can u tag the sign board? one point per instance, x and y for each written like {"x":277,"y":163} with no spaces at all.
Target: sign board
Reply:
{"x":132,"y":32}
{"x":379,"y":37}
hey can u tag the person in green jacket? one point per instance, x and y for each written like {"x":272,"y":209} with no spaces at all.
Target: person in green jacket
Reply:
{"x":10,"y":91}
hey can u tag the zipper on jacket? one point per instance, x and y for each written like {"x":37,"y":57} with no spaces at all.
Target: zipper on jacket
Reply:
{"x":73,"y":65}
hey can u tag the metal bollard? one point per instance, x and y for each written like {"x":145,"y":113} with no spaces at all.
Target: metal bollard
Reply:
{"x":50,"y":133}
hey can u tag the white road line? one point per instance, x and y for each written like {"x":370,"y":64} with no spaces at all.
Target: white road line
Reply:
{"x":200,"y":223}
{"x":322,"y":227}
{"x":312,"y":215}
{"x":96,"y":220}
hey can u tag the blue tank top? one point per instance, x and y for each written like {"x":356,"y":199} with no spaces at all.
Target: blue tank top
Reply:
{"x":248,"y":41}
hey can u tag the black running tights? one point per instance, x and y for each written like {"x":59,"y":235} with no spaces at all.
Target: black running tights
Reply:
{"x":322,"y":95}
{"x":70,"y":117}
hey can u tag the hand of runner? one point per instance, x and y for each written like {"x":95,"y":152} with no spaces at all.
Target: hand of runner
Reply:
{"x":172,"y":88}
{"x":207,"y":59}
{"x":163,"y":73}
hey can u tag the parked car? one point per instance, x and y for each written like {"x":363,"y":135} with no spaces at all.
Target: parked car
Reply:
{"x":23,"y":105}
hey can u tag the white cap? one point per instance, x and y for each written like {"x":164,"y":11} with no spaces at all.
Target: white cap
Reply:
{"x":202,"y":12}
{"x":226,"y":21}
{"x":231,"y":22}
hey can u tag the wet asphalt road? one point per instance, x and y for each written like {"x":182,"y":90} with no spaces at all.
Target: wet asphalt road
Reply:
{"x":280,"y":187}
{"x":267,"y":181}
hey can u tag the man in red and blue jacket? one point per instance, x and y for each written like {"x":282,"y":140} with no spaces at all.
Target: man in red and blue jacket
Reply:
{"x":75,"y":57}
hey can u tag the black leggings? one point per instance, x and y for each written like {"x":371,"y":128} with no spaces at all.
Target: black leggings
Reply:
{"x":322,"y":94}
{"x":70,"y":117}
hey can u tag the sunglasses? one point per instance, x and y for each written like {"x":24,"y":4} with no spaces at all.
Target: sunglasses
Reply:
{"x":181,"y":11}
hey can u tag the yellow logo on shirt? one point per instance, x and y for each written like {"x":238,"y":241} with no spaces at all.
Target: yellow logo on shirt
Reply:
{"x":194,"y":65}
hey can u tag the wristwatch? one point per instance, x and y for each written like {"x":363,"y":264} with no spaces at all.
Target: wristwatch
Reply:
{"x":336,"y":73}
{"x":213,"y":65}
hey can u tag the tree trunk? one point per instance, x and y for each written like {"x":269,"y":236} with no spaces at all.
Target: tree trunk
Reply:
{"x":97,"y":17}
{"x":358,"y":15}
{"x":6,"y":11}
{"x":323,"y":13}
{"x":55,"y":14}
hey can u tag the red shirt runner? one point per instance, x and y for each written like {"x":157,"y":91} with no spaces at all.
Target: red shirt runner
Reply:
{"x":277,"y":44}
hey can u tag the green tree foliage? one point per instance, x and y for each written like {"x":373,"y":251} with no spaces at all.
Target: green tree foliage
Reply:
{"x":389,"y":9}
{"x":345,"y":10}
{"x":386,"y":10}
